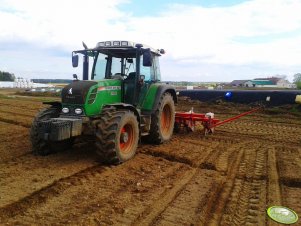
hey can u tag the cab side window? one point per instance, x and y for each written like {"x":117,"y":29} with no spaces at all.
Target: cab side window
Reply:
{"x":156,"y":68}
{"x":146,"y":71}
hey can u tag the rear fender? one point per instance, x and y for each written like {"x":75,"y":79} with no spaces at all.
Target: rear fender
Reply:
{"x":160,"y":92}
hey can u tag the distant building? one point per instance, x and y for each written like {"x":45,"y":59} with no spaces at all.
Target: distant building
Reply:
{"x":278,"y":82}
{"x":249,"y":84}
{"x":272,"y":82}
{"x":219,"y":87}
{"x":260,"y":83}
{"x":282,"y":83}
{"x":238,"y":83}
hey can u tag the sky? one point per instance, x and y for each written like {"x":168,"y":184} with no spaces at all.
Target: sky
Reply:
{"x":204,"y":40}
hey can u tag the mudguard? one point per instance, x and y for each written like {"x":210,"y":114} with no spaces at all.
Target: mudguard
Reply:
{"x":125,"y":106}
{"x":164,"y":89}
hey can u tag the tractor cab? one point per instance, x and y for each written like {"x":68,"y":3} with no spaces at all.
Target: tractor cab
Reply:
{"x":135,"y":65}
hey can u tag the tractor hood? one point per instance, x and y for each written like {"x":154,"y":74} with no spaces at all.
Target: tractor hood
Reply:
{"x":76,"y":92}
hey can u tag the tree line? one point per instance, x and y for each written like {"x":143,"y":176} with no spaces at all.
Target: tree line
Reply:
{"x":6,"y":76}
{"x":297,"y":80}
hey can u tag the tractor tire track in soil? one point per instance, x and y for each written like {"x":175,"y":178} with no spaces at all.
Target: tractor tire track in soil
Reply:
{"x":16,"y":119}
{"x":184,"y":205}
{"x":267,"y":130}
{"x":29,"y":173}
{"x":245,"y":203}
{"x":14,"y":141}
{"x":13,"y":111}
{"x":98,"y":192}
{"x":18,"y":122}
{"x":27,"y":105}
{"x":228,"y":178}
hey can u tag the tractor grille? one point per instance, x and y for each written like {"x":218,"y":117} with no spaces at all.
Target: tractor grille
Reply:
{"x":92,"y":96}
{"x":76,"y":92}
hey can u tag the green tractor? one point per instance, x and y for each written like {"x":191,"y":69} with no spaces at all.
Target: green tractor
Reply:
{"x":122,"y":103}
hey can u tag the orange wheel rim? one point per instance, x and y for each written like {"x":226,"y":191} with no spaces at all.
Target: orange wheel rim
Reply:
{"x":126,"y":141}
{"x":166,"y":120}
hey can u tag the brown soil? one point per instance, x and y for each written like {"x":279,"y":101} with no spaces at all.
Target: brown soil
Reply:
{"x":228,"y":178}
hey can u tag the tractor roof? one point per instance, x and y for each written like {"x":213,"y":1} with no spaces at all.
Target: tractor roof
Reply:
{"x":120,"y":44}
{"x":119,"y":48}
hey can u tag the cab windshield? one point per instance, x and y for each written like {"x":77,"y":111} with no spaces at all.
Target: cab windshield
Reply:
{"x":112,"y":67}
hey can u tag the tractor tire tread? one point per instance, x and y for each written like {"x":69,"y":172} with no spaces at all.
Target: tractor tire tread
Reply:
{"x":106,"y":132}
{"x":154,"y":135}
{"x":105,"y":135}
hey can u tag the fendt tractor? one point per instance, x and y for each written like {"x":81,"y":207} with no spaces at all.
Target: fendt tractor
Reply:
{"x":122,"y":102}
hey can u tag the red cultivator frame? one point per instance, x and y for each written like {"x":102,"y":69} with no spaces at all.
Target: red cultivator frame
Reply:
{"x":188,"y":120}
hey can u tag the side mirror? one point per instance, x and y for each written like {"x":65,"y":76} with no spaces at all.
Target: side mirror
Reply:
{"x":147,"y":58}
{"x":74,"y":60}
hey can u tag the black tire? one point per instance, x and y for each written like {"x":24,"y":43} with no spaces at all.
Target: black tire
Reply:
{"x":162,"y":123}
{"x":40,"y":146}
{"x":117,"y":136}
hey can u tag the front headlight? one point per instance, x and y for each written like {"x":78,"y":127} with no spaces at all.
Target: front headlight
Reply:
{"x":65,"y":110}
{"x":78,"y":111}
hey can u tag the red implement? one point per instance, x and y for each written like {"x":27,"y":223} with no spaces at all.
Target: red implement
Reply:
{"x":188,"y":120}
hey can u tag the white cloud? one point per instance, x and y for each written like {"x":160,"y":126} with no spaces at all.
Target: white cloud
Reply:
{"x":193,"y":36}
{"x":57,"y":22}
{"x":208,"y":34}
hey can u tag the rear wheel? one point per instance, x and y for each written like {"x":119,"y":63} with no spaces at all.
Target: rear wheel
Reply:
{"x":117,"y":136}
{"x":163,"y":119}
{"x":41,"y":146}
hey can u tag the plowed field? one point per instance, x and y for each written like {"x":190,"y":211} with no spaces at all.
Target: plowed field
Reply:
{"x":228,"y":178}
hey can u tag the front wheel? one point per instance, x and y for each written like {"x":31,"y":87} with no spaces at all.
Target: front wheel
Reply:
{"x":117,"y":136}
